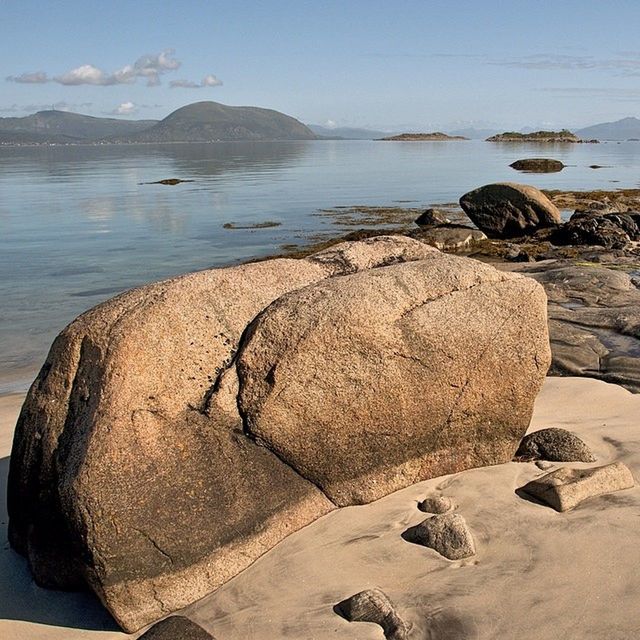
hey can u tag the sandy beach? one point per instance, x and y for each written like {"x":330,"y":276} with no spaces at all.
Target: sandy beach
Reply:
{"x":537,"y":573}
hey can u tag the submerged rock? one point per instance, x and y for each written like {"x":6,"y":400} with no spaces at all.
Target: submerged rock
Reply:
{"x":507,"y":209}
{"x":448,"y":534}
{"x":555,"y":445}
{"x":373,"y":605}
{"x":565,"y":488}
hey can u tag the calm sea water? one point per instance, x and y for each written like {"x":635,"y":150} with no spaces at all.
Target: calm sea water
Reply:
{"x":77,"y":226}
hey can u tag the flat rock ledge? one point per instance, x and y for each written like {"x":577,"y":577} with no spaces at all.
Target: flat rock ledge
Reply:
{"x":373,"y":605}
{"x":448,"y":534}
{"x":179,"y":431}
{"x":565,"y":488}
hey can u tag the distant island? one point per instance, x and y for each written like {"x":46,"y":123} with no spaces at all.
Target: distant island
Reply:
{"x":536,"y":136}
{"x":198,"y":122}
{"x":419,"y":137}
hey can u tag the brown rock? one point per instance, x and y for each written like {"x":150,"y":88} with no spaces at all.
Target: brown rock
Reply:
{"x":129,"y":473}
{"x":553,"y":444}
{"x":538,"y":165}
{"x":507,"y":209}
{"x":373,"y":605}
{"x":565,"y":488}
{"x":448,"y":534}
{"x":371,"y":382}
{"x":450,"y":237}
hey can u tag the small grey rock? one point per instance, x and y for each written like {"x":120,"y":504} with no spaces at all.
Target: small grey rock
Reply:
{"x":436,"y":504}
{"x":373,"y":605}
{"x":565,"y":488}
{"x":176,"y":628}
{"x":432,"y":217}
{"x":556,"y":445}
{"x":448,"y":534}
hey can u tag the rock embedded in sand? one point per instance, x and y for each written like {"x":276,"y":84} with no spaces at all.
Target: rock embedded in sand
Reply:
{"x":556,"y":445}
{"x":565,"y":488}
{"x":176,"y":628}
{"x":448,"y":534}
{"x":133,"y":471}
{"x":373,"y":605}
{"x":507,"y":209}
{"x":436,"y":504}
{"x":538,"y":165}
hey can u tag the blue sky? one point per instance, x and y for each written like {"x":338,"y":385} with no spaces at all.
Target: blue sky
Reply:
{"x":400,"y":65}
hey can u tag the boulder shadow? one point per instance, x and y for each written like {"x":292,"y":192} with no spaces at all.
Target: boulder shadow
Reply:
{"x":22,"y":600}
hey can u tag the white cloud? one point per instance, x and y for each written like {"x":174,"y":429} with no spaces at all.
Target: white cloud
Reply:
{"x":627,"y":64}
{"x":208,"y":81}
{"x":86,"y":74}
{"x":330,"y":124}
{"x":37,"y":77}
{"x":125,"y":109}
{"x":211,"y":81}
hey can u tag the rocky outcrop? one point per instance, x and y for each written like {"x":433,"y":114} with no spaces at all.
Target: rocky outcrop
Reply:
{"x":611,"y":230}
{"x":507,"y":209}
{"x":537,"y":165}
{"x":565,"y":488}
{"x":553,"y":444}
{"x":432,"y":217}
{"x":594,"y":315}
{"x":132,"y":470}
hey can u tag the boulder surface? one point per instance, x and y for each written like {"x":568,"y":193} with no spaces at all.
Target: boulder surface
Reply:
{"x":134,"y":472}
{"x":508,"y":210}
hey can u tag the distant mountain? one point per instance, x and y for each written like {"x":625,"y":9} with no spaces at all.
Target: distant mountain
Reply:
{"x":212,"y":121}
{"x":474,"y":134}
{"x":618,"y":130}
{"x":347,"y":133}
{"x":72,"y":126}
{"x":29,"y":138}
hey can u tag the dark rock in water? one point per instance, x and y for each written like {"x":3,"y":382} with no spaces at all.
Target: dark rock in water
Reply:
{"x":169,"y":181}
{"x":432,"y":217}
{"x":565,"y":488}
{"x":436,"y":504}
{"x":448,"y":534}
{"x":373,"y":605}
{"x":176,"y":628}
{"x":592,"y":229}
{"x":556,"y":445}
{"x":538,"y":165}
{"x":509,"y":210}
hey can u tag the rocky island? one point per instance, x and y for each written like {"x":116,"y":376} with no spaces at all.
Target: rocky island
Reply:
{"x":537,"y":136}
{"x":422,"y":137}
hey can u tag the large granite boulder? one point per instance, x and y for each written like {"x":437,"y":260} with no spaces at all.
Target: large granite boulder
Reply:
{"x":371,"y":382}
{"x":133,"y":471}
{"x":508,"y":210}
